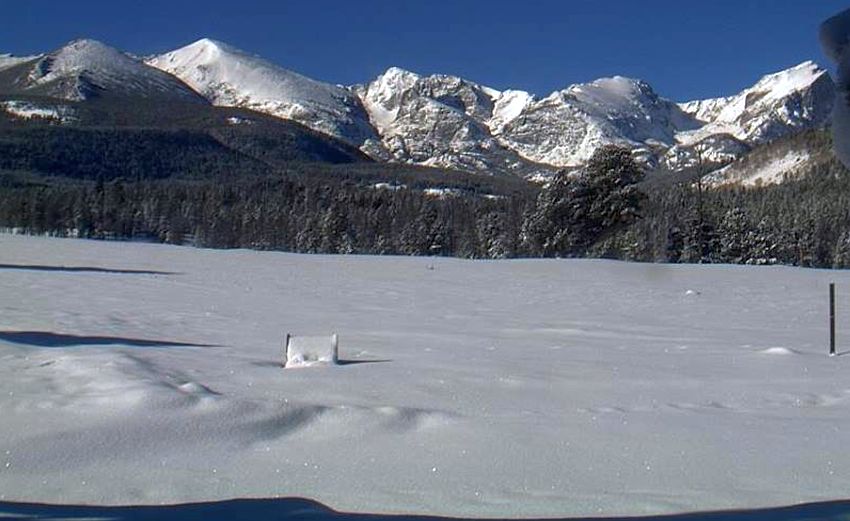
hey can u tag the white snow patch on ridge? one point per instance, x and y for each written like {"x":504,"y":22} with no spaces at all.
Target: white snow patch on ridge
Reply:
{"x":30,"y":110}
{"x":773,"y":172}
{"x":7,"y":60}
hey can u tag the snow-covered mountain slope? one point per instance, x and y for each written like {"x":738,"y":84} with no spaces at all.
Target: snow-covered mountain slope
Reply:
{"x":85,"y":69}
{"x":780,"y":160}
{"x":565,"y":128}
{"x":8,"y":60}
{"x":447,"y":121}
{"x":779,"y":104}
{"x":227,"y":76}
{"x":437,"y":120}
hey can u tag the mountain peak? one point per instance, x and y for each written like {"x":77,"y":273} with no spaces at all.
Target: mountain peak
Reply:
{"x":783,"y":83}
{"x":398,"y":75}
{"x":90,"y":44}
{"x":212,"y":49}
{"x":86,"y":68}
{"x":228,"y":76}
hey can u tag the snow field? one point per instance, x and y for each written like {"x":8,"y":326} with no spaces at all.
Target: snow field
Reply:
{"x":478,"y":388}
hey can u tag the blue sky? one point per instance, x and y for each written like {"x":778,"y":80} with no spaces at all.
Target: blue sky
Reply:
{"x":685,"y":49}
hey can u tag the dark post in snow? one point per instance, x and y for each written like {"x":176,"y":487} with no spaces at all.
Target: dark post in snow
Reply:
{"x":831,"y":319}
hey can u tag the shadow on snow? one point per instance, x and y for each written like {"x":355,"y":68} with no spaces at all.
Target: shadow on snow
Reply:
{"x":81,"y":269}
{"x":50,"y":340}
{"x":307,"y":510}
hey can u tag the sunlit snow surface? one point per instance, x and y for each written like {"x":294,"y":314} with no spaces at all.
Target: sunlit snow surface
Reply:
{"x":134,"y":373}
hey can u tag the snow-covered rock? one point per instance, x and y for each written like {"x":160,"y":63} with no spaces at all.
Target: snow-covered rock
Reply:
{"x":8,"y":60}
{"x":438,"y":121}
{"x":778,"y":105}
{"x":84,"y":69}
{"x":451,"y":122}
{"x":227,"y":76}
{"x":566,"y":127}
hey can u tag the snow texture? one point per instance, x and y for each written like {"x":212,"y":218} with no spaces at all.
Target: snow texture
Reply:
{"x":835,"y":38}
{"x":149,"y":374}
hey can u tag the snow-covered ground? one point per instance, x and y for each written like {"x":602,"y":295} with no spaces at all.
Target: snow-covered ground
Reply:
{"x":139,"y":373}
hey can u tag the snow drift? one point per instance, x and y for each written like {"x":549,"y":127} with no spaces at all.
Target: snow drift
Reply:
{"x":149,"y":374}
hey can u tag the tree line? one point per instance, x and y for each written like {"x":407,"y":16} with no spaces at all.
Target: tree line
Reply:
{"x":606,"y":210}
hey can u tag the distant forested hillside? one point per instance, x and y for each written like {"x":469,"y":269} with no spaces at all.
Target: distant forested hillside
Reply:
{"x":610,"y":211}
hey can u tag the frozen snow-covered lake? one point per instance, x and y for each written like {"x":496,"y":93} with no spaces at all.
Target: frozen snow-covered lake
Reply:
{"x":148,"y":374}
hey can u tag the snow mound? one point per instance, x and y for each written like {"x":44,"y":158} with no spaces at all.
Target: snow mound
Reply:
{"x":779,"y":351}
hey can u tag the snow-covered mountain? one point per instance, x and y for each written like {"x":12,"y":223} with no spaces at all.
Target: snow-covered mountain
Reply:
{"x":564,"y":128}
{"x":437,"y":120}
{"x":779,"y":105}
{"x":227,"y":76}
{"x":447,"y":121}
{"x":84,"y":69}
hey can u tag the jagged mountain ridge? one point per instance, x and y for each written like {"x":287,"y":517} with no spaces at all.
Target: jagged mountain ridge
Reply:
{"x":447,"y":121}
{"x":227,"y":76}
